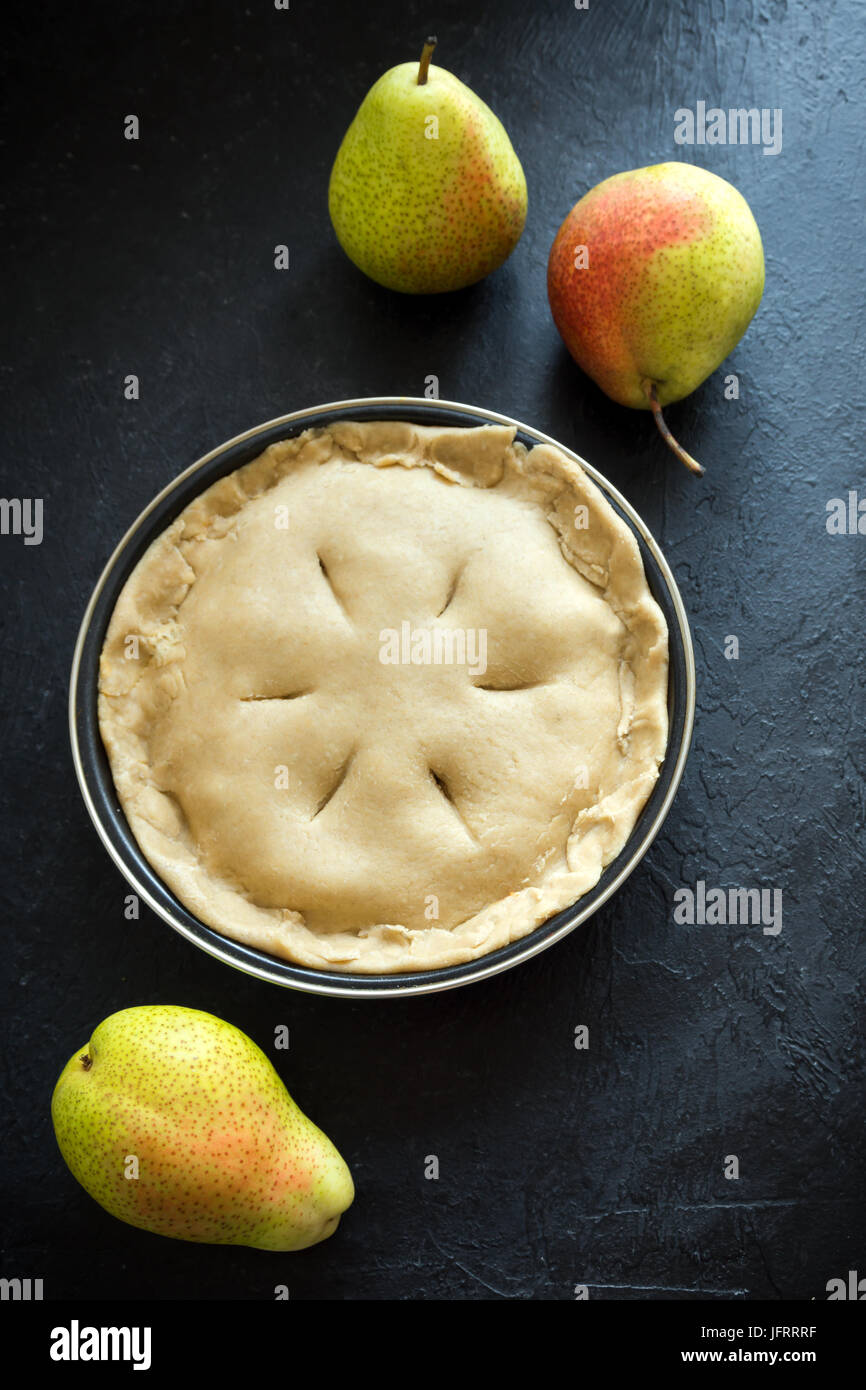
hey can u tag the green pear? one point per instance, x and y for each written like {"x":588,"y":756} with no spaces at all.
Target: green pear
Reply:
{"x":426,"y":192}
{"x":175,"y":1121}
{"x":653,"y":278}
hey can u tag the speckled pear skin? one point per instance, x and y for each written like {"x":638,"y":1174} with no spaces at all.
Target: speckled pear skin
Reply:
{"x":225,"y":1156}
{"x":421,"y":215}
{"x":675,"y":274}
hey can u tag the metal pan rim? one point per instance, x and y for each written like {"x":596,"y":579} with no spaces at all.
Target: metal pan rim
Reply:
{"x":121,"y":846}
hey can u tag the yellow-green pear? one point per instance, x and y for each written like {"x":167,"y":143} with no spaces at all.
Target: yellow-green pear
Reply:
{"x":174,"y":1121}
{"x":426,"y":192}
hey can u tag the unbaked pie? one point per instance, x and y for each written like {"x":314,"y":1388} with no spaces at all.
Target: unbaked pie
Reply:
{"x":388,"y":697}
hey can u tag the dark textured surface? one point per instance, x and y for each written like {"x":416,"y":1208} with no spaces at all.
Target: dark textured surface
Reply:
{"x":557,"y":1167}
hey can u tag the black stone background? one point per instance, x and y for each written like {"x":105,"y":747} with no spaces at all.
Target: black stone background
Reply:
{"x":558,"y":1166}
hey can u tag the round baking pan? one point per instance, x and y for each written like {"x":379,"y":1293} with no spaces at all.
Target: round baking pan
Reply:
{"x":94,"y":772}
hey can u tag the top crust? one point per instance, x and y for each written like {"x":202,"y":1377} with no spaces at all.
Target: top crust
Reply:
{"x":388,"y":697}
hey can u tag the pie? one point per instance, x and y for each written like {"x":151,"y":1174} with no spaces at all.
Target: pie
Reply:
{"x":388,"y":697}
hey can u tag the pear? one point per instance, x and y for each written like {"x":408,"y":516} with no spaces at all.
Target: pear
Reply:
{"x":653,"y":278}
{"x":426,"y":193}
{"x":175,"y":1121}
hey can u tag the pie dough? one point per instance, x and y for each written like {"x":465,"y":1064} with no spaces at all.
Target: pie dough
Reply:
{"x":303,"y":745}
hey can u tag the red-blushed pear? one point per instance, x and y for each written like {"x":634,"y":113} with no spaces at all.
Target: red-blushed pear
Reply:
{"x":426,"y":193}
{"x":174,"y":1121}
{"x":653,"y":278}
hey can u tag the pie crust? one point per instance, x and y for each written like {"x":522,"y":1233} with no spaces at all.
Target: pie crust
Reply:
{"x":388,"y":697}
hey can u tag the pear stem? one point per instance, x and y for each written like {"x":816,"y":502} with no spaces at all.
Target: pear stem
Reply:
{"x":426,"y":55}
{"x":686,"y":458}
